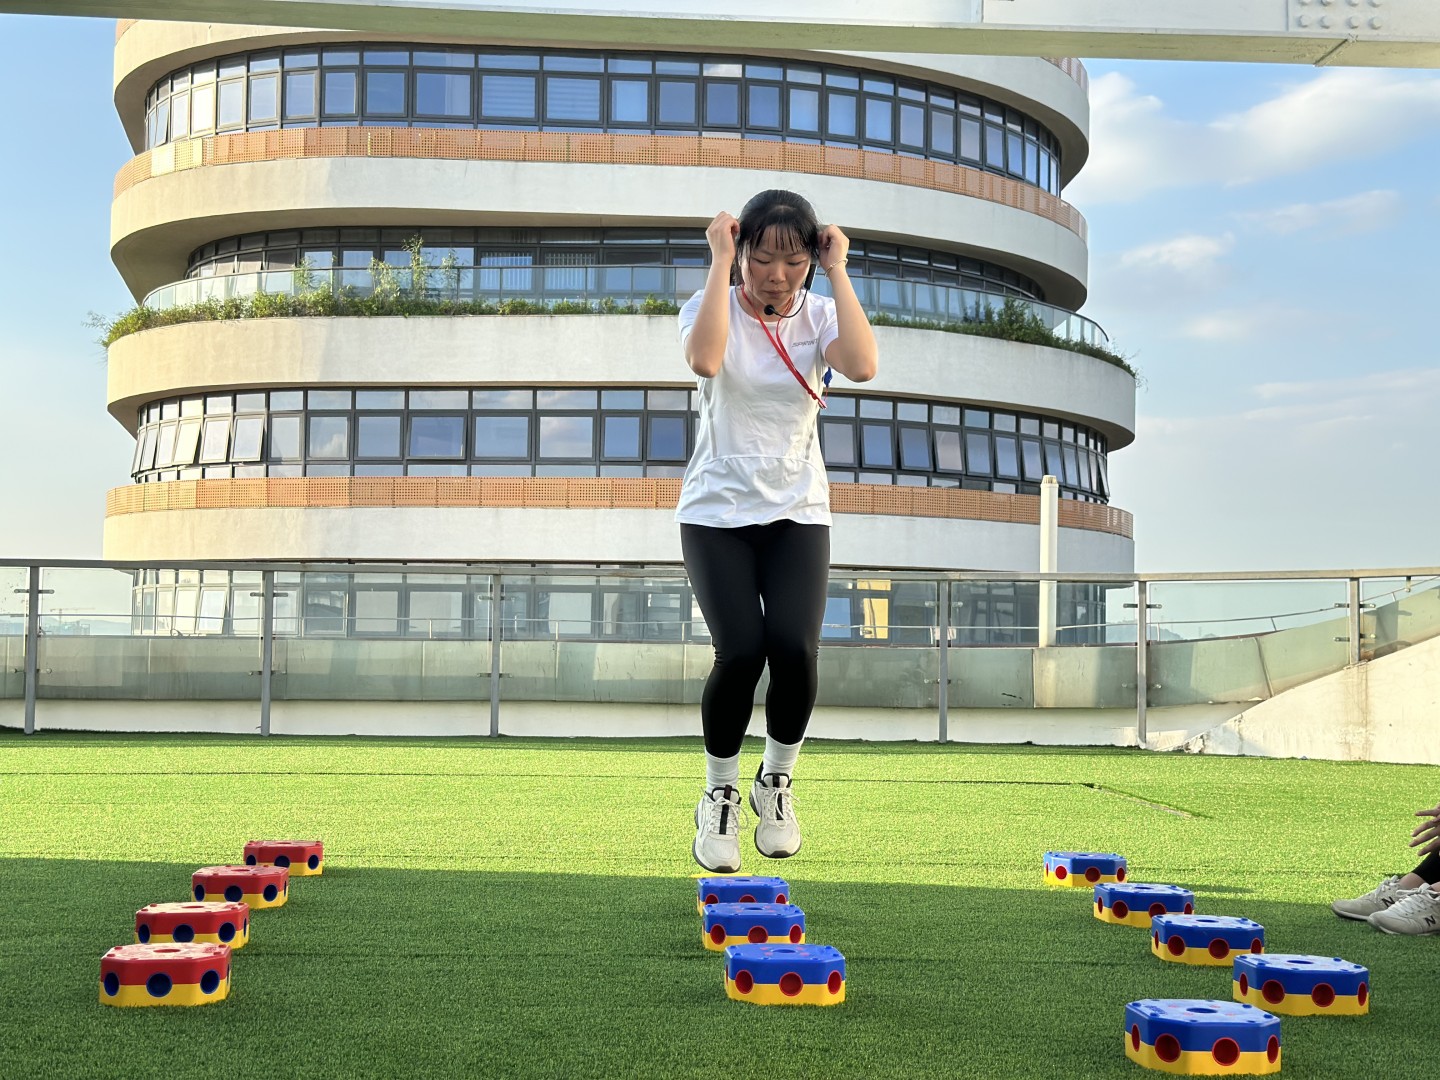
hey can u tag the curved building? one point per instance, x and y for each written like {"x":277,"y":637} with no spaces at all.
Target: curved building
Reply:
{"x":579,"y":181}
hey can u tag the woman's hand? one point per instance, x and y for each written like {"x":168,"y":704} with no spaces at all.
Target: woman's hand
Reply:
{"x":721,"y":234}
{"x":834,"y":245}
{"x":1427,"y":832}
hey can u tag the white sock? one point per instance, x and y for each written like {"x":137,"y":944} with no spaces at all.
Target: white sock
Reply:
{"x":721,"y":771}
{"x":780,"y":757}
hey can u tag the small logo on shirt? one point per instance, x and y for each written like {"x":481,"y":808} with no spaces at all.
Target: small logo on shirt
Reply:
{"x":812,"y":341}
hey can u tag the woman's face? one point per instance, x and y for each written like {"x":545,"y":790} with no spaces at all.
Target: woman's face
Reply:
{"x":774,"y":271}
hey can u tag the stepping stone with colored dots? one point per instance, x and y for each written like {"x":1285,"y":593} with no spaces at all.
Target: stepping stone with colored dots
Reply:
{"x":1083,"y":868}
{"x":1132,"y":904}
{"x":1205,"y":940}
{"x":1298,"y":985}
{"x":258,"y":886}
{"x":740,"y":890}
{"x":752,"y":924}
{"x":1202,"y":1038}
{"x":303,"y":858}
{"x":785,"y":974}
{"x":222,"y":923}
{"x":176,"y":974}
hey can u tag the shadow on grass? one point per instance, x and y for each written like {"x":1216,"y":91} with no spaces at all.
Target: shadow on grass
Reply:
{"x":379,"y":972}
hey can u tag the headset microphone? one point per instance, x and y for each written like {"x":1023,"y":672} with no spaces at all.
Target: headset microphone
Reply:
{"x":770,"y":310}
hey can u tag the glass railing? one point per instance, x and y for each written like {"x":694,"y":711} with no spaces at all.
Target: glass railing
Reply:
{"x":622,"y":285}
{"x":170,"y":636}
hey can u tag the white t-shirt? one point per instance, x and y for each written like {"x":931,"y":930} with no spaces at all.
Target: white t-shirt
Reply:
{"x":757,"y":453}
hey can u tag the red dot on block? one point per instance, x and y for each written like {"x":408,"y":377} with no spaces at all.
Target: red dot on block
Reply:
{"x":1363,"y":994}
{"x":834,"y":983}
{"x":1244,"y":984}
{"x":1061,"y":873}
{"x":1189,"y":909}
{"x":758,"y":935}
{"x":1272,"y":1049}
{"x":1120,"y":874}
{"x":1323,"y":995}
{"x":780,"y":898}
{"x":791,"y":984}
{"x":1167,"y":1048}
{"x":1176,"y":946}
{"x":747,"y":899}
{"x":1093,"y":874}
{"x":1219,"y":948}
{"x":1155,"y":937}
{"x":711,"y":898}
{"x":717,"y":934}
{"x":1120,"y":909}
{"x":796,"y":934}
{"x":1225,"y":1051}
{"x":1257,"y":946}
{"x":744,"y":982}
{"x":1135,"y":1036}
{"x":1157,"y":908}
{"x":1273,"y":991}
{"x":1099,"y":903}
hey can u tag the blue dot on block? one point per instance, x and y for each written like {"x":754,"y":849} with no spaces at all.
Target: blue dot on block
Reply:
{"x":112,"y":983}
{"x":249,"y":860}
{"x":282,"y":860}
{"x":143,"y":932}
{"x":271,"y":892}
{"x":226,"y":931}
{"x":199,"y":892}
{"x":233,"y":893}
{"x":158,"y":984}
{"x":210,"y":982}
{"x":313,"y":861}
{"x":246,"y":925}
{"x":183,"y":932}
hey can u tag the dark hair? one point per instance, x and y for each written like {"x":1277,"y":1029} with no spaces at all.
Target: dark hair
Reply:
{"x":787,"y":218}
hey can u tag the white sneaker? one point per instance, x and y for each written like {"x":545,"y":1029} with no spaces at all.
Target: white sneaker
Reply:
{"x":1377,"y":899}
{"x":717,"y":830}
{"x":1416,"y":912}
{"x":777,"y":832}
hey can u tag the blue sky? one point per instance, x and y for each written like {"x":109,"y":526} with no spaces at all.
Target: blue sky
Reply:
{"x":1261,"y":245}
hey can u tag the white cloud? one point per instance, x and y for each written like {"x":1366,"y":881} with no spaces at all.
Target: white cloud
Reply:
{"x":1338,"y":114}
{"x":1365,"y":212}
{"x":1184,"y":254}
{"x":1259,"y":320}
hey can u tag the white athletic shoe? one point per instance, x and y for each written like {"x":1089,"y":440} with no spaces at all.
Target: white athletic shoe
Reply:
{"x":717,"y":830}
{"x":1416,"y":912}
{"x":777,"y":832}
{"x":1377,"y":899}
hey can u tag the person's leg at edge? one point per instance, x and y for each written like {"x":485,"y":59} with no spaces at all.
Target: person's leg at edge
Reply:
{"x":1390,"y":892}
{"x":722,"y":565}
{"x":1413,"y":910}
{"x":794,"y":578}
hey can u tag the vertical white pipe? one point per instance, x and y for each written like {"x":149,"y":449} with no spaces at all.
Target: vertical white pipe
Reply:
{"x":1049,"y":555}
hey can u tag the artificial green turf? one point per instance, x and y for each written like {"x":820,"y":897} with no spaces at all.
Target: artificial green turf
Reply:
{"x":526,"y":907}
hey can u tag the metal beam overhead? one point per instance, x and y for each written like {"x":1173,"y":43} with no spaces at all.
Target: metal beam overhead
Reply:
{"x":1353,"y":33}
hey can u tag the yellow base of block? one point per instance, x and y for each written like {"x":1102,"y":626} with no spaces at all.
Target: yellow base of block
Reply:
{"x":257,"y":900}
{"x":710,"y":944}
{"x":1078,"y":881}
{"x":236,"y":942}
{"x":1198,"y":957}
{"x":1132,"y":918}
{"x":131,"y":997}
{"x":1301,"y":1004}
{"x":770,"y":994}
{"x":1201,"y":1063}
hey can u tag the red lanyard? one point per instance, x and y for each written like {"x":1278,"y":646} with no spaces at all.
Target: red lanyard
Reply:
{"x":780,"y":348}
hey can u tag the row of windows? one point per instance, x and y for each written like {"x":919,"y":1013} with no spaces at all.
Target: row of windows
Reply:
{"x":620,"y":92}
{"x":507,"y":259}
{"x":453,"y":606}
{"x":589,"y":433}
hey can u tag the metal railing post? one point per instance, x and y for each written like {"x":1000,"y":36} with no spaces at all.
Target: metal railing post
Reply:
{"x":267,"y":645}
{"x":1353,"y":601}
{"x":495,"y":622}
{"x":1142,"y":661}
{"x":32,"y":645}
{"x":943,"y":595}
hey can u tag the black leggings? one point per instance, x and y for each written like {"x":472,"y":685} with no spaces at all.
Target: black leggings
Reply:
{"x":1429,"y":868}
{"x":762,"y":591}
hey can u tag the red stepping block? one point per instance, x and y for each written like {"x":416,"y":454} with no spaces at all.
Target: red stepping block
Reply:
{"x":303,"y":858}
{"x":258,"y":886}
{"x":134,"y":976}
{"x":220,"y":923}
